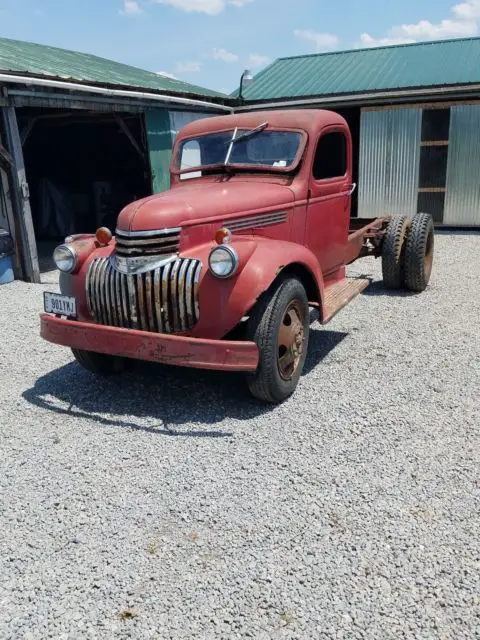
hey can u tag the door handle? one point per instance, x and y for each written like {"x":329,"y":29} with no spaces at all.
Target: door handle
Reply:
{"x":353,"y":186}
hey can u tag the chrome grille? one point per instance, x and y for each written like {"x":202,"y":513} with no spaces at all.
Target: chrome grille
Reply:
{"x":140,"y":243}
{"x":163,"y":300}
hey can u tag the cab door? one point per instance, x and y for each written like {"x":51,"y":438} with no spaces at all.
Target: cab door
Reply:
{"x":328,"y":206}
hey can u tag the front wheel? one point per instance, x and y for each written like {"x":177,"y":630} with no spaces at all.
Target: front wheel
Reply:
{"x":99,"y":363}
{"x":280,"y":326}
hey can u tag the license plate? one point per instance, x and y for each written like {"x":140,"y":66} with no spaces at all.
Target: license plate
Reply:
{"x":60,"y":305}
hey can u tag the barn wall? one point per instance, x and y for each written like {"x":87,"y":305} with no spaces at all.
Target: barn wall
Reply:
{"x":389,"y":162}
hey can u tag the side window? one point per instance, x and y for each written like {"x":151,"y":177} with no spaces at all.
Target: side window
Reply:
{"x":331,"y":156}
{"x":190,"y":158}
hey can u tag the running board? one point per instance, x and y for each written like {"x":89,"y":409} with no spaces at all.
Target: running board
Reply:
{"x":339,"y":294}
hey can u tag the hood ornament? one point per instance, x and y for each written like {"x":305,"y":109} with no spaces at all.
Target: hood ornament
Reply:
{"x":139,"y":264}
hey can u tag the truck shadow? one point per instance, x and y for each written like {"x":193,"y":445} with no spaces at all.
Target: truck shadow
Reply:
{"x":160,"y":399}
{"x":377,"y":288}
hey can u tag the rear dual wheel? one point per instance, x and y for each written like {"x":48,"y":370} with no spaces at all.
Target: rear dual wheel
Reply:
{"x":407,"y":252}
{"x":279,"y":325}
{"x":419,"y":253}
{"x":393,"y":252}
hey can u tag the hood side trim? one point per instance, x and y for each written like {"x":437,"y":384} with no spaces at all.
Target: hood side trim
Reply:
{"x":255,"y":222}
{"x":144,"y":234}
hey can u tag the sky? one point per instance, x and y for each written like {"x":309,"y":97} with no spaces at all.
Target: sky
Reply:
{"x":210,"y":42}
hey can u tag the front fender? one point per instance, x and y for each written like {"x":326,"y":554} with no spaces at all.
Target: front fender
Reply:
{"x":223,"y":303}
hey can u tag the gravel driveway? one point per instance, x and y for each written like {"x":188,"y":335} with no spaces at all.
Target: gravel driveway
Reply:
{"x":168,"y":504}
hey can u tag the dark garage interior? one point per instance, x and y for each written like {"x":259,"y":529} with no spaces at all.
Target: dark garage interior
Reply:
{"x":82,"y":168}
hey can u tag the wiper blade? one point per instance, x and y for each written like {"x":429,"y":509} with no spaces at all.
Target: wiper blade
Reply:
{"x":252,"y":132}
{"x":242,"y":136}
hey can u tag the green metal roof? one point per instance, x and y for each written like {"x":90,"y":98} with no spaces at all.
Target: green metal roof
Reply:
{"x":26,"y":58}
{"x":428,"y":64}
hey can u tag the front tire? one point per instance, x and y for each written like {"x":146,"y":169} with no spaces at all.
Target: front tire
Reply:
{"x":99,"y":363}
{"x":279,"y":325}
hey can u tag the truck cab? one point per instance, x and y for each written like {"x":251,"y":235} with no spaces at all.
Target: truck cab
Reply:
{"x":298,"y":161}
{"x":220,"y":271}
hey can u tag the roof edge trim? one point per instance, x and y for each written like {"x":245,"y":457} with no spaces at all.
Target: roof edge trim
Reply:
{"x":358,"y":98}
{"x":127,"y":93}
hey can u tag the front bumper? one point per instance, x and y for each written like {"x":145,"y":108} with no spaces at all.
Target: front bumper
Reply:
{"x":222,"y":355}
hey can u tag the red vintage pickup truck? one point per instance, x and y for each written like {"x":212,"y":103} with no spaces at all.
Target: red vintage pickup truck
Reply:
{"x":220,"y":271}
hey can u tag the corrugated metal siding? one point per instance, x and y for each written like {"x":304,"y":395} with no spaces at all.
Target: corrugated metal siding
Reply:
{"x":462,"y":203}
{"x":373,"y":165}
{"x":389,"y":162}
{"x":424,"y":64}
{"x":40,"y":60}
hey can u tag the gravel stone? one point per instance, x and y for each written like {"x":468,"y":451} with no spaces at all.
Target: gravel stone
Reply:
{"x":166,"y":503}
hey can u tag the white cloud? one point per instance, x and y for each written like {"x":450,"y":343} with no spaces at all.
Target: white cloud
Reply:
{"x":224,"y":55}
{"x":190,"y":66}
{"x":255,"y":60}
{"x":321,"y":41}
{"x":463,"y":24}
{"x":469,"y":10}
{"x":367,"y":41}
{"x":425,"y":30}
{"x":211,"y":7}
{"x":131,"y":8}
{"x":166,"y":75}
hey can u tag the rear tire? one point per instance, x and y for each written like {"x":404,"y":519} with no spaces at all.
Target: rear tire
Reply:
{"x":99,"y":363}
{"x":393,"y":252}
{"x":419,"y":253}
{"x":279,"y":325}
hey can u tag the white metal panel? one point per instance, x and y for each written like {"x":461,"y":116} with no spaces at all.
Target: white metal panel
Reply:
{"x":374,"y":153}
{"x":462,"y":201}
{"x":179,"y":119}
{"x":389,"y":162}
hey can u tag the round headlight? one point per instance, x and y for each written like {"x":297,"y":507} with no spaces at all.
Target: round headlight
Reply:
{"x":223,"y":261}
{"x":65,"y":258}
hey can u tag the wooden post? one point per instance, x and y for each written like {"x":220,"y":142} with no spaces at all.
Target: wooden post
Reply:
{"x":6,"y":163}
{"x":21,"y":196}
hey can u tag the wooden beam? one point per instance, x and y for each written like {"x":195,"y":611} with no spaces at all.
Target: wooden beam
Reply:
{"x":432,"y":190}
{"x":434,"y":143}
{"x":129,"y":135}
{"x":21,"y":196}
{"x":6,"y":159}
{"x":27,"y":130}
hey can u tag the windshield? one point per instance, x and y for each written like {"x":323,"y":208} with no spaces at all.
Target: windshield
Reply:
{"x":255,"y":147}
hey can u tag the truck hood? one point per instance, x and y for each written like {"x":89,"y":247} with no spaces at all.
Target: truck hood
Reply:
{"x":184,"y":204}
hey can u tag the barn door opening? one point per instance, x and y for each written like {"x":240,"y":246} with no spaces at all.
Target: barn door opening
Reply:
{"x":82,"y":168}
